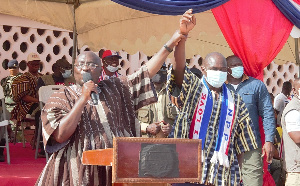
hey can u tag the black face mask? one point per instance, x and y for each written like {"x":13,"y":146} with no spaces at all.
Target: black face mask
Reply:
{"x":160,"y":77}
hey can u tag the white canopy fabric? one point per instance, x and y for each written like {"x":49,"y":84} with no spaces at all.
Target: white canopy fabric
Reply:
{"x":51,"y":13}
{"x":103,"y":23}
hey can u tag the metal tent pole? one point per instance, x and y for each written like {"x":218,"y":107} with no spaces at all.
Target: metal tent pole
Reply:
{"x":74,"y":51}
{"x":297,"y":54}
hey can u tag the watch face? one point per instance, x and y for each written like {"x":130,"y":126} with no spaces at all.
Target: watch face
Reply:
{"x":158,"y":161}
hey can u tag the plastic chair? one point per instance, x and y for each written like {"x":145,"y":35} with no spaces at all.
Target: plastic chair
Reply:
{"x":21,"y":124}
{"x":44,"y":94}
{"x":4,"y":123}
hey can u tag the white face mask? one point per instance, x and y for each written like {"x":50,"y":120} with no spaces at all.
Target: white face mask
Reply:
{"x":237,"y":72}
{"x":111,"y":68}
{"x":67,"y":73}
{"x":216,"y":78}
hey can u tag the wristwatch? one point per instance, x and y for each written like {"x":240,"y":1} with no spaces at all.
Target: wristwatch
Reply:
{"x":168,"y":48}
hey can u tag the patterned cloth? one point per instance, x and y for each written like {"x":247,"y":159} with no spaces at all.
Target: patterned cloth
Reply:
{"x":114,"y":116}
{"x":22,"y":86}
{"x":6,"y":84}
{"x":243,"y":137}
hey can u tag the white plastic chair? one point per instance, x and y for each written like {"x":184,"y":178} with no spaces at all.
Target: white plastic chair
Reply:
{"x":4,"y":123}
{"x":44,"y":94}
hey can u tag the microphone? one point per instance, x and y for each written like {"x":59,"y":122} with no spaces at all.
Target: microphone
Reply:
{"x":86,"y":77}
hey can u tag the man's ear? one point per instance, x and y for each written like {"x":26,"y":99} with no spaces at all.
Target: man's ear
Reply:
{"x":101,"y":53}
{"x":202,"y":68}
{"x":294,"y":90}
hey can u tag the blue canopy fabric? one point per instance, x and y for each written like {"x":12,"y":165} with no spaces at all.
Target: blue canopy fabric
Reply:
{"x":289,"y":10}
{"x":171,"y":7}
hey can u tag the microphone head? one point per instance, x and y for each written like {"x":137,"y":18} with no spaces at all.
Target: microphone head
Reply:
{"x":86,"y":77}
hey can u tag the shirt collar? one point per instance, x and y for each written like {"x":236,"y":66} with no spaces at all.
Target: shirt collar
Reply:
{"x":245,"y":77}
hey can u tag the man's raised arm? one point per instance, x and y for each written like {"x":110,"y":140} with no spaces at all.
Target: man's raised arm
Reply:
{"x":187,"y":23}
{"x":155,"y":63}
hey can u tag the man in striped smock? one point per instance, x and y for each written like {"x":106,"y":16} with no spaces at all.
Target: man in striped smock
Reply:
{"x":212,"y":113}
{"x":23,"y":87}
{"x":24,"y":91}
{"x":73,"y":124}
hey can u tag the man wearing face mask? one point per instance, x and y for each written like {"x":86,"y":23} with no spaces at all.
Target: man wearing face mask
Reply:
{"x":258,"y":102}
{"x":211,"y":112}
{"x":13,"y":67}
{"x":291,"y":137}
{"x":24,"y":91}
{"x":156,"y":119}
{"x":73,"y":123}
{"x":111,"y":62}
{"x":62,"y":75}
{"x":25,"y":94}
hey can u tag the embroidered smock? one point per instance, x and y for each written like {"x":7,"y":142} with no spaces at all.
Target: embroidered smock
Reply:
{"x":242,"y":137}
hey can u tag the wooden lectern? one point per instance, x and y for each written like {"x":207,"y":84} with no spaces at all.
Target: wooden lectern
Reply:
{"x":150,"y":160}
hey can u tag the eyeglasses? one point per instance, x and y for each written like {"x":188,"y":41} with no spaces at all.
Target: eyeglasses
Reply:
{"x":81,"y":65}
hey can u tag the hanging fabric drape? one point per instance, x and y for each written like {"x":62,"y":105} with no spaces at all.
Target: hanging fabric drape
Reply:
{"x":291,"y":10}
{"x":255,"y":31}
{"x":171,"y":7}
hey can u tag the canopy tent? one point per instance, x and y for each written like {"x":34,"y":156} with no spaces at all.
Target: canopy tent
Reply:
{"x":256,"y":31}
{"x":103,"y":23}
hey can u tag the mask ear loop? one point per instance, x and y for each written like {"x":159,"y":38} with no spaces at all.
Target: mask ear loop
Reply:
{"x":105,"y":63}
{"x":228,"y":71}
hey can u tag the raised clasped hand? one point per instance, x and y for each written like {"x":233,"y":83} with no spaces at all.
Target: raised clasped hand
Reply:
{"x":187,"y":22}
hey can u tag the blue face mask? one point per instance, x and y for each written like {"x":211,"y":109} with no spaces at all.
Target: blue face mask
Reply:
{"x":67,"y":74}
{"x":216,"y":78}
{"x":237,"y":72}
{"x":112,"y":68}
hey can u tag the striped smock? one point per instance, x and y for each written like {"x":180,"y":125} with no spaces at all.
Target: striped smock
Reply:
{"x":114,"y":116}
{"x":242,"y":138}
{"x":22,"y":86}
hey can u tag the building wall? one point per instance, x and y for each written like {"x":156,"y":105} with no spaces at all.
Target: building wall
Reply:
{"x":275,"y":75}
{"x":20,"y":36}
